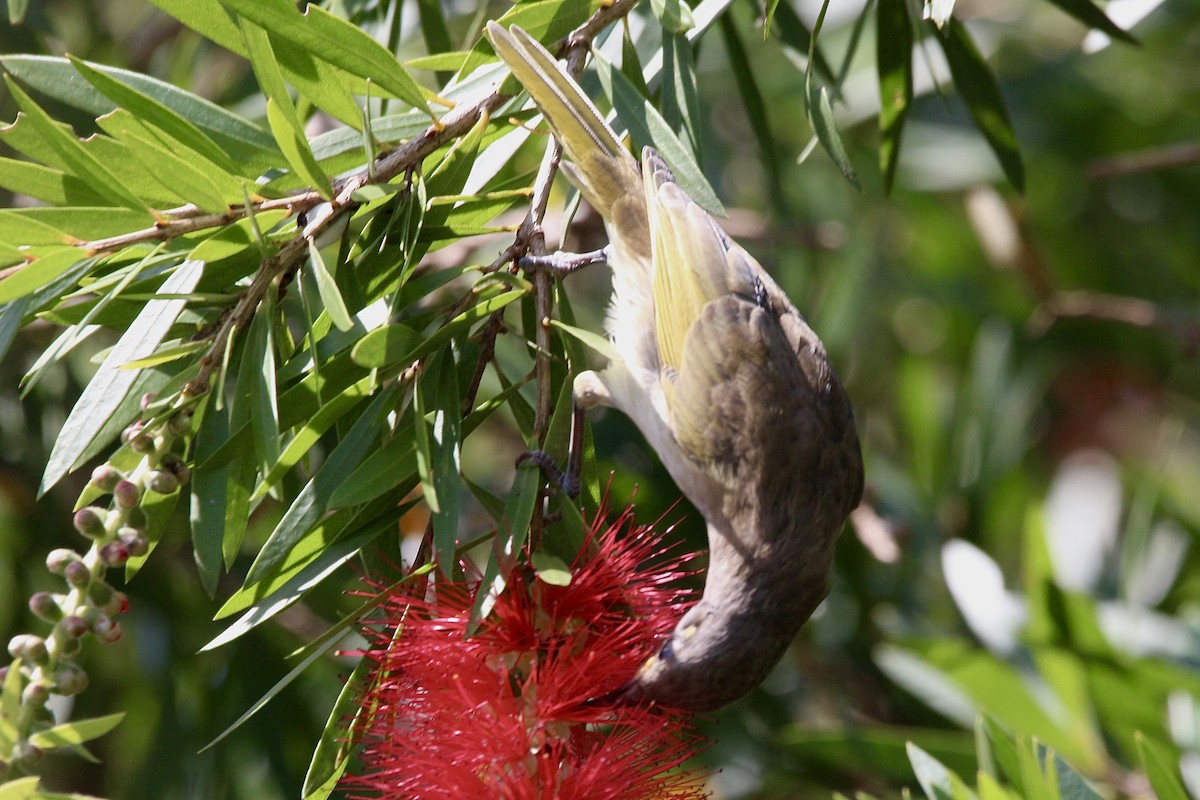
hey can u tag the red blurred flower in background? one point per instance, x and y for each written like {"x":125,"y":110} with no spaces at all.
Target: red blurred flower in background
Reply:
{"x":505,"y":713}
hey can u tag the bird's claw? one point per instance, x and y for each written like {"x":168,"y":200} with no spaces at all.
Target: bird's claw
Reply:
{"x":568,"y":481}
{"x":561,"y":263}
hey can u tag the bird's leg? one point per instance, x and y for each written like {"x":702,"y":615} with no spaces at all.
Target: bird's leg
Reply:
{"x":561,"y":263}
{"x":589,"y":391}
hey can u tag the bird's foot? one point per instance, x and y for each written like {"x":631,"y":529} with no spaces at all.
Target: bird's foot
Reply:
{"x":569,"y":480}
{"x":561,"y":263}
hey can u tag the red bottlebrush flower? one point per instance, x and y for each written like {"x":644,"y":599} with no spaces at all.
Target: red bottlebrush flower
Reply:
{"x":506,"y":713}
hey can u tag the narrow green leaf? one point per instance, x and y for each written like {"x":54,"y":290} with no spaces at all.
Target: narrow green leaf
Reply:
{"x":434,"y":31}
{"x":331,"y":296}
{"x":310,"y":433}
{"x":1160,"y":769}
{"x":78,"y":732}
{"x":151,"y":111}
{"x":825,"y":127}
{"x":335,"y":40}
{"x":82,"y":163}
{"x":296,"y":150}
{"x":440,"y":62}
{"x":42,"y":225}
{"x":329,"y":88}
{"x":16,"y":11}
{"x":678,"y":96}
{"x":893,"y":59}
{"x":794,"y":34}
{"x":447,"y":458}
{"x":165,"y":355}
{"x":647,"y":127}
{"x":208,"y":18}
{"x":631,"y":63}
{"x":10,"y":705}
{"x":332,"y":753}
{"x":1005,"y":752}
{"x":979,"y":90}
{"x":1093,"y":16}
{"x":110,"y":385}
{"x":310,"y":504}
{"x":675,"y":15}
{"x":384,"y":346}
{"x":551,"y":569}
{"x":388,"y":467}
{"x":22,"y":789}
{"x":37,"y":273}
{"x":245,"y":143}
{"x":258,"y":363}
{"x":176,"y":174}
{"x":47,"y":184}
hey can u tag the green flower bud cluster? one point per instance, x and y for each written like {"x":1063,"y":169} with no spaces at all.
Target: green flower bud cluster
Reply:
{"x":87,"y":603}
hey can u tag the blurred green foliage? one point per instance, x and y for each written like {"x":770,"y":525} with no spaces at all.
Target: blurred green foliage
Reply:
{"x":1023,"y":368}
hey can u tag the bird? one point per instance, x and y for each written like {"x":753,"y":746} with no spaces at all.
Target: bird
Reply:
{"x":727,"y":383}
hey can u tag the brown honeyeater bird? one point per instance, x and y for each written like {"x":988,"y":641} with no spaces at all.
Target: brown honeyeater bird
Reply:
{"x":729,"y":385}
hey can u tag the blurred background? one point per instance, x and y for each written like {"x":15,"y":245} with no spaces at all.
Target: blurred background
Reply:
{"x":1023,"y":368}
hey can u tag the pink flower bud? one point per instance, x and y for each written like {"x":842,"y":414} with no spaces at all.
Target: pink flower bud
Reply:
{"x":59,"y":559}
{"x":90,"y":521}
{"x":105,"y":477}
{"x":74,"y":626}
{"x":45,"y":606}
{"x":127,"y":494}
{"x":77,"y":574}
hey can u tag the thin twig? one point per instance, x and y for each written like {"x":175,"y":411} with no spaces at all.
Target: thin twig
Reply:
{"x":1185,"y":154}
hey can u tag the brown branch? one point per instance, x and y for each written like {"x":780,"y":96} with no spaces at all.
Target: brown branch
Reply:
{"x":1185,"y":154}
{"x":1135,"y":311}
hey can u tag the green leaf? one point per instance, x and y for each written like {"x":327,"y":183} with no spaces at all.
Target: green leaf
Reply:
{"x":334,"y":40}
{"x":208,"y":18}
{"x":244,"y":142}
{"x":47,"y":184}
{"x":10,"y":705}
{"x":675,"y":15}
{"x":332,"y":753}
{"x":261,"y":402}
{"x":551,"y":569}
{"x":1091,"y":15}
{"x":191,"y":182}
{"x":439,"y":448}
{"x":678,"y":97}
{"x":329,"y":88}
{"x":893,"y":59}
{"x":331,"y":296}
{"x":1005,"y":752}
{"x":37,"y":273}
{"x":938,"y":782}
{"x":1160,"y":769}
{"x":647,"y":127}
{"x":435,"y":33}
{"x":821,"y":115}
{"x":73,"y":733}
{"x":310,"y":433}
{"x":42,"y":225}
{"x":310,"y":504}
{"x":165,"y":355}
{"x":82,"y":163}
{"x":794,"y":34}
{"x":153,"y":112}
{"x":752,"y":99}
{"x":979,"y":90}
{"x":110,"y":385}
{"x":595,"y":341}
{"x":296,"y":150}
{"x":384,"y":346}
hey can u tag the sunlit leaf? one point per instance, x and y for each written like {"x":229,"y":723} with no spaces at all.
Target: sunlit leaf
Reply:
{"x":893,"y":59}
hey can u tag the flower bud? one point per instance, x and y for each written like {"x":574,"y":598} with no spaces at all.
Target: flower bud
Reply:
{"x":28,"y":647}
{"x":146,"y":400}
{"x":70,"y":648}
{"x":180,"y":424}
{"x":117,"y":605}
{"x":133,"y":541}
{"x":114,"y":554}
{"x":74,"y":626}
{"x":133,"y":430}
{"x":100,"y":593}
{"x":105,"y":477}
{"x":90,"y":521}
{"x":106,"y":629}
{"x":78,"y":574}
{"x":59,"y":559}
{"x":127,"y":494}
{"x":36,"y":694}
{"x":45,"y":606}
{"x":176,"y":466}
{"x":69,"y":679}
{"x":142,"y":443}
{"x":162,"y":482}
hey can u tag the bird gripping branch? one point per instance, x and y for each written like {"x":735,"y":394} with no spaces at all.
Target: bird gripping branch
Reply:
{"x":727,"y":383}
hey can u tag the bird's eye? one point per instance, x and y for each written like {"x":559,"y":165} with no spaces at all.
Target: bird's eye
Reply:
{"x":667,"y":652}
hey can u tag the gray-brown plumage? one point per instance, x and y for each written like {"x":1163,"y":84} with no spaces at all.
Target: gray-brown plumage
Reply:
{"x":732,"y":389}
